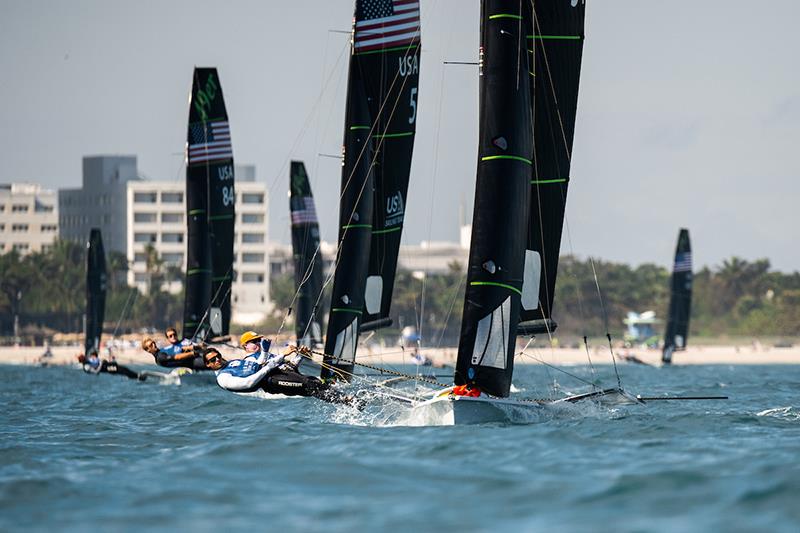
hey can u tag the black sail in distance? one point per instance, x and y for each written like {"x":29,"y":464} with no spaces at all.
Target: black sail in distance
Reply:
{"x":95,"y":290}
{"x":680,"y":303}
{"x":386,"y":46}
{"x":502,"y":190}
{"x":355,"y":230}
{"x":307,"y":256}
{"x":555,"y":34}
{"x":210,"y":210}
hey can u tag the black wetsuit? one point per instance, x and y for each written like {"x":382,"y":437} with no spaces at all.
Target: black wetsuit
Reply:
{"x":168,"y":360}
{"x":291,"y":383}
{"x":110,"y":368}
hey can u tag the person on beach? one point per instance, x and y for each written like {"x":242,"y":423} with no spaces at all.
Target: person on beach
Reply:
{"x":261,"y":370}
{"x":94,"y":365}
{"x":185,"y":358}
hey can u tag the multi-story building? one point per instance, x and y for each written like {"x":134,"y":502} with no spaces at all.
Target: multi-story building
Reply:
{"x":28,"y":218}
{"x":134,"y":213}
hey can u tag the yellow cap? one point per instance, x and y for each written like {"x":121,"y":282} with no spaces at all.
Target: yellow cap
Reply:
{"x":248,"y":336}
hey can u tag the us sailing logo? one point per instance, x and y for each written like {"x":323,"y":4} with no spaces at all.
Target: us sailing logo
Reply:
{"x":395,"y":209}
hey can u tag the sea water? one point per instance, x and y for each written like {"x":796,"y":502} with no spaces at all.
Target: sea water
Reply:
{"x":82,"y":452}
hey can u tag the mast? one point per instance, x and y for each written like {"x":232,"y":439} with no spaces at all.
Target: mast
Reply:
{"x":680,"y":302}
{"x":502,"y":190}
{"x":210,"y":200}
{"x":386,"y":50}
{"x":95,"y":290}
{"x":555,"y":34}
{"x":355,"y":230}
{"x":307,"y":256}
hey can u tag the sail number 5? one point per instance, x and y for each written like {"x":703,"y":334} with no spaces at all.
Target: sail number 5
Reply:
{"x":413,"y":105}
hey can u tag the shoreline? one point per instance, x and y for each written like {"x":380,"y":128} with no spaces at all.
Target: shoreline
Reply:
{"x":694,"y":355}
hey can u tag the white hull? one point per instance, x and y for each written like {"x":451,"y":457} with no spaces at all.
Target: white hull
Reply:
{"x":451,"y":410}
{"x":457,"y":410}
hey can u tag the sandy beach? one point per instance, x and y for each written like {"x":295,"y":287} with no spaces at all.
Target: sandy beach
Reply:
{"x":753,"y":354}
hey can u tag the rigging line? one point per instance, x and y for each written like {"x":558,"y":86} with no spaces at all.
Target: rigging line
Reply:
{"x":605,"y":319}
{"x":450,"y":310}
{"x":133,"y":294}
{"x":211,"y":304}
{"x":433,"y":183}
{"x":559,"y":369}
{"x":376,"y":152}
{"x":386,"y":370}
{"x":307,"y":122}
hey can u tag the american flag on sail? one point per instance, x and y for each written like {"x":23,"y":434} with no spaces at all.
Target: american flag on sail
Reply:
{"x":210,"y":141}
{"x":683,"y":262}
{"x":385,"y":23}
{"x":303,"y":211}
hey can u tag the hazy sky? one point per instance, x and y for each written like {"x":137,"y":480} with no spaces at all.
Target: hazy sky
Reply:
{"x":689,"y":111}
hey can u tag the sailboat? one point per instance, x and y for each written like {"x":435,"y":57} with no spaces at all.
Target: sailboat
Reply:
{"x":210,"y":210}
{"x":95,"y":291}
{"x":529,"y":68}
{"x":380,"y":126}
{"x":680,"y":302}
{"x":307,"y":256}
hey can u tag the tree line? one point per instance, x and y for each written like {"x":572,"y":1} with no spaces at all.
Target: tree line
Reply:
{"x":46,"y":292}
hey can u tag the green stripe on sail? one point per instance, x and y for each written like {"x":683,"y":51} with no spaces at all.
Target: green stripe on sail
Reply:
{"x":221,"y":217}
{"x":505,"y":16}
{"x":350,"y":226}
{"x":382,"y":231}
{"x":393,"y":135}
{"x":190,"y":324}
{"x":345,"y":310}
{"x":555,"y":37}
{"x":352,"y":128}
{"x":544,"y":182}
{"x":195,"y":271}
{"x":512,"y":157}
{"x":386,"y":50}
{"x":196,"y":211}
{"x":495,"y":284}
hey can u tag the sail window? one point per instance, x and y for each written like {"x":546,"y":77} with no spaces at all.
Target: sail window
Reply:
{"x":530,"y":280}
{"x":491,"y":338}
{"x":373,"y":294}
{"x":345,"y":348}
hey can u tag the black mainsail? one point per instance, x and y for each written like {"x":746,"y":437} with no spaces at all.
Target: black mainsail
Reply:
{"x":95,"y":290}
{"x":307,"y":256}
{"x":680,"y":303}
{"x":379,"y":28}
{"x":502,"y":191}
{"x":210,"y":200}
{"x":555,"y":34}
{"x":386,"y":47}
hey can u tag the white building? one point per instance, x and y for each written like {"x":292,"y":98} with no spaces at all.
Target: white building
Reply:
{"x":28,"y":218}
{"x":133,"y":212}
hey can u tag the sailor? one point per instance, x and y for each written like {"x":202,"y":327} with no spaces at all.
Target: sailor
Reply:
{"x":260,"y":369}
{"x":176,"y":346}
{"x":188,"y":359}
{"x":94,"y":365}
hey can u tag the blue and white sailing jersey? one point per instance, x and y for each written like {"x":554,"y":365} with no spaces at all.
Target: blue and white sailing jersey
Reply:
{"x":243,"y":375}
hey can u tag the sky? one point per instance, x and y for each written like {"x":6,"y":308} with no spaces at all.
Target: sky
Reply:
{"x":688,"y":114}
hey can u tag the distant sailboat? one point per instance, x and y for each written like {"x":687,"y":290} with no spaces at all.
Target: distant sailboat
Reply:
{"x":680,"y":302}
{"x":210,"y":209}
{"x":380,"y":124}
{"x":95,"y":291}
{"x":307,"y":257}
